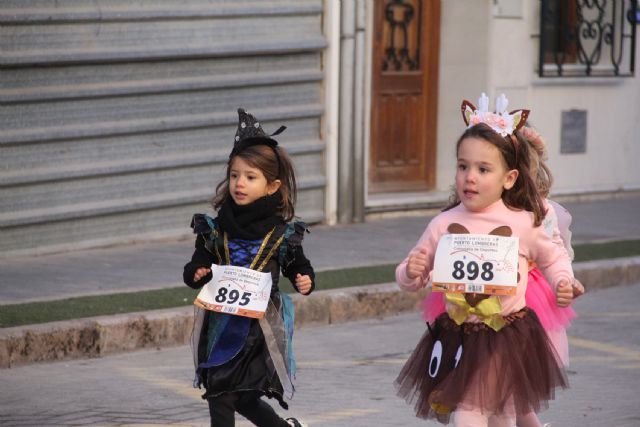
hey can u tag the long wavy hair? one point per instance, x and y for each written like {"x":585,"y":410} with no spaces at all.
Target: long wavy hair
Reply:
{"x":515,"y":151}
{"x":538,"y":150}
{"x":274,"y":163}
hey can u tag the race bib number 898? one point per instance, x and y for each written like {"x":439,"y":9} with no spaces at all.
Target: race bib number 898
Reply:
{"x":477,"y":263}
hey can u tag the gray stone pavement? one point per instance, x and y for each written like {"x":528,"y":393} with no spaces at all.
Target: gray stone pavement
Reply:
{"x":159,"y":264}
{"x":345,"y":377}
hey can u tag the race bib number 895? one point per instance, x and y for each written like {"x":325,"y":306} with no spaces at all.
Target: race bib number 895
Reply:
{"x":236,"y":290}
{"x":477,"y":263}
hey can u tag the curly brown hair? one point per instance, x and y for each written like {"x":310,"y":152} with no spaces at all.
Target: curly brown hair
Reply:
{"x":537,"y":149}
{"x":514,"y":149}
{"x":274,"y":163}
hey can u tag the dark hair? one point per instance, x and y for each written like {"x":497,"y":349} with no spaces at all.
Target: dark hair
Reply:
{"x":274,"y":163}
{"x":514,"y":149}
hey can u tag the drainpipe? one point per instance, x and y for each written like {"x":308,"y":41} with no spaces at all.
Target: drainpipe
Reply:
{"x":345,"y":127}
{"x":351,"y":146}
{"x":331,"y":62}
{"x":359,"y":116}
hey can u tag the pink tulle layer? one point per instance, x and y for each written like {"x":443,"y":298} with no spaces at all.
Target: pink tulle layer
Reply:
{"x":432,"y":306}
{"x":539,"y":296}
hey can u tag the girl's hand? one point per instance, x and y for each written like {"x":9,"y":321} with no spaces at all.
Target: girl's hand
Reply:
{"x":200,"y":273}
{"x":578,"y":288}
{"x":564,"y":294}
{"x":303,"y":284}
{"x":417,"y":263}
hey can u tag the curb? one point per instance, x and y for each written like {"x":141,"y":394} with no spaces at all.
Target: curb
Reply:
{"x":106,"y":335}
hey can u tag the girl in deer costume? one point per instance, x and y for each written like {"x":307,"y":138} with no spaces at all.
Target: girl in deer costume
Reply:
{"x":539,"y":295}
{"x":487,"y":358}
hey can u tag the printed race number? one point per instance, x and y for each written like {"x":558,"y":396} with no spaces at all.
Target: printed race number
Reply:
{"x":236,"y":290}
{"x":232,"y":296}
{"x":472,"y":269}
{"x":476,"y":263}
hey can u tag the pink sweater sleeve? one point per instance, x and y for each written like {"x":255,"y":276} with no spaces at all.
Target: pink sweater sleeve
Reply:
{"x":550,"y":225}
{"x":428,"y":242}
{"x":564,"y":223}
{"x":551,"y":257}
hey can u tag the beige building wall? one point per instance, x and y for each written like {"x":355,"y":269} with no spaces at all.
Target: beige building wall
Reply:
{"x":485,"y":49}
{"x":464,"y":73}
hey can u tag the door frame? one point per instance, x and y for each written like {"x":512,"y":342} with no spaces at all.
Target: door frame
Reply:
{"x":430,"y":86}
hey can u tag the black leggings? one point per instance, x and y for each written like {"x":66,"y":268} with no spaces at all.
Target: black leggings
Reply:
{"x":222,"y":409}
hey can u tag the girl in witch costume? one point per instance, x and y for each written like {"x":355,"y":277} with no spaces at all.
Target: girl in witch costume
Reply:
{"x":239,"y":359}
{"x":487,"y":358}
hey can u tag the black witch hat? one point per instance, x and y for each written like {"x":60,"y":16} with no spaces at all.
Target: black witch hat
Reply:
{"x":250,"y":133}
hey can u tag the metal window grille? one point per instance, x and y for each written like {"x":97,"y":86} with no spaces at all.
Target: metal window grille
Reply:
{"x":403,"y":23}
{"x":587,"y":38}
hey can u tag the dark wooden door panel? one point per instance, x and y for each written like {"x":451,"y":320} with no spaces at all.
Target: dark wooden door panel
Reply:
{"x":404,"y":95}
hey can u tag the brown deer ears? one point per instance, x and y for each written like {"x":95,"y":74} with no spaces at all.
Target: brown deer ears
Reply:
{"x":503,"y":122}
{"x":467,"y":110}
{"x":504,"y":230}
{"x":519,"y":118}
{"x":456,"y":228}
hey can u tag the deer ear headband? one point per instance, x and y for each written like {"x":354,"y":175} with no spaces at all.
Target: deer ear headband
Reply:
{"x":501,"y":121}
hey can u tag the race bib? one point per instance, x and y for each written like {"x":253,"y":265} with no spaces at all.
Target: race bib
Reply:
{"x":236,"y":290}
{"x":476,"y":263}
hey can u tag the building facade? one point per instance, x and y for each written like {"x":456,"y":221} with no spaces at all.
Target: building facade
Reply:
{"x":117,"y":117}
{"x":572,"y":63}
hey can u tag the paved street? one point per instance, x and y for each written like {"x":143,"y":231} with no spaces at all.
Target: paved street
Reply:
{"x":345,"y":377}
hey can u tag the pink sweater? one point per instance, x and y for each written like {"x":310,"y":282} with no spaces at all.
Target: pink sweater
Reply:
{"x":535,"y":244}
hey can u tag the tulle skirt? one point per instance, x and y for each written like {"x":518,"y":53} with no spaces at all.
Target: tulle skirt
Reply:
{"x":250,"y":370}
{"x":433,"y":306}
{"x":539,"y":296}
{"x":555,"y":320}
{"x":472,"y":366}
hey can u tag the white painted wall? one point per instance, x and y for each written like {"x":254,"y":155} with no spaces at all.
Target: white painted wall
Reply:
{"x":464,"y":70}
{"x":482,"y":52}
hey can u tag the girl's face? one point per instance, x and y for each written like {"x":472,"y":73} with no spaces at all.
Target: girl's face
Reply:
{"x":482,"y":174}
{"x":247,"y":184}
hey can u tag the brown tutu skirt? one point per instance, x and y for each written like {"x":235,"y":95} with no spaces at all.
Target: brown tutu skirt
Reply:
{"x":472,"y":365}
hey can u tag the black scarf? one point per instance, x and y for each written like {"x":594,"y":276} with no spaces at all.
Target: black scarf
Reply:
{"x":252,"y":221}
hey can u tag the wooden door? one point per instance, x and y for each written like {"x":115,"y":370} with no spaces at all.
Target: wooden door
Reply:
{"x":404,"y":95}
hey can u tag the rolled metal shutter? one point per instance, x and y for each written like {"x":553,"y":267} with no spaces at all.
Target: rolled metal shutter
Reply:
{"x":117,"y":117}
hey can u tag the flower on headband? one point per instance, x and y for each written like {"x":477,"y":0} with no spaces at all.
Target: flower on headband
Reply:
{"x":501,"y":121}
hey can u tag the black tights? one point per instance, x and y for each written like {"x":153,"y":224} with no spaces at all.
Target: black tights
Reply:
{"x":222,"y":409}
